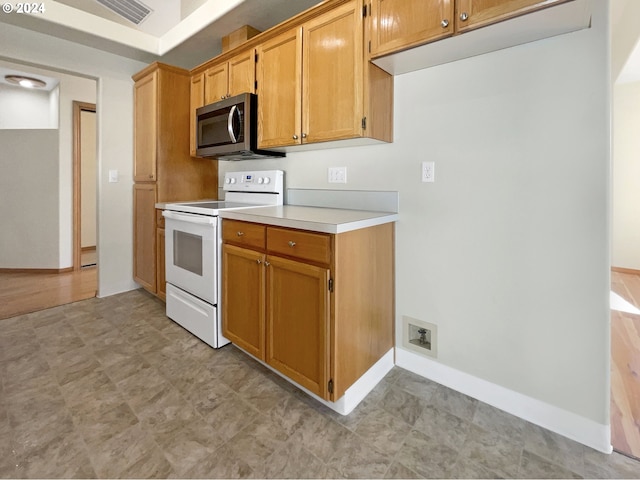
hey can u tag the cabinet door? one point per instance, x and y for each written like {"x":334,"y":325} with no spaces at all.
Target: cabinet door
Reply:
{"x":145,"y":128}
{"x":298,"y":322}
{"x":161,"y":281}
{"x":242,"y":73}
{"x":399,"y":24}
{"x":196,"y":101}
{"x":279,"y":90}
{"x":216,"y":83}
{"x":332,"y":81}
{"x":243,"y":306}
{"x":477,"y":13}
{"x":144,"y":235}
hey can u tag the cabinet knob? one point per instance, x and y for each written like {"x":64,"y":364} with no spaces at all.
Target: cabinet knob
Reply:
{"x":222,"y":97}
{"x":292,"y":243}
{"x":267,"y":263}
{"x":304,"y":135}
{"x":444,"y":23}
{"x":240,"y":234}
{"x":295,"y":137}
{"x":464,"y":16}
{"x":150,"y":175}
{"x":259,"y":261}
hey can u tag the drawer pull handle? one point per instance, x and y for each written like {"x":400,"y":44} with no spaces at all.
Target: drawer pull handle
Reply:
{"x":240,"y":234}
{"x":292,"y":243}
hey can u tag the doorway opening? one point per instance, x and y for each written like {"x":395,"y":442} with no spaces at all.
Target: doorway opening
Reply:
{"x":84,"y":185}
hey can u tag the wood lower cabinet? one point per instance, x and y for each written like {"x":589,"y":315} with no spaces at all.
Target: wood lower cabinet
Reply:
{"x":316,"y":307}
{"x":298,"y":322}
{"x":243,"y":294}
{"x":164,"y":170}
{"x":161,"y":281}
{"x":144,"y":235}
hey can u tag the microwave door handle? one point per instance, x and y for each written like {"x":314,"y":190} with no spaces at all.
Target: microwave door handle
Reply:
{"x":230,"y":124}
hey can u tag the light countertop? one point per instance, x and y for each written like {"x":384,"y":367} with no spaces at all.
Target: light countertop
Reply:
{"x":316,"y":219}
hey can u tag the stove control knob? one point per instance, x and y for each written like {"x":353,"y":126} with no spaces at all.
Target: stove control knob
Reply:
{"x":228,"y":180}
{"x":267,"y":180}
{"x":233,"y":180}
{"x":260,"y":180}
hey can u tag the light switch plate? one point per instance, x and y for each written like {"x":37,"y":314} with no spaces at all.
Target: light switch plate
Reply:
{"x":113,"y":176}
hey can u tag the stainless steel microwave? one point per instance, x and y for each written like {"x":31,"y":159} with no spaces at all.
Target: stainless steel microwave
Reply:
{"x":228,"y":129}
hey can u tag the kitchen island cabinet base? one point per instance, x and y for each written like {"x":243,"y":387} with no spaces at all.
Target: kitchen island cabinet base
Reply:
{"x":355,"y":393}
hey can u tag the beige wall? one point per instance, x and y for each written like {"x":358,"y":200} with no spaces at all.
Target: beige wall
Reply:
{"x":29,"y":237}
{"x":626,"y":176}
{"x":114,"y":100}
{"x":60,"y":103}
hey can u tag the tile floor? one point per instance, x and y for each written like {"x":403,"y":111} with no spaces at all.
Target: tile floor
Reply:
{"x":112,"y":388}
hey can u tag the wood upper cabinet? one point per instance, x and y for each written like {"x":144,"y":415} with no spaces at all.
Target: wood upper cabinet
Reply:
{"x":396,"y":25}
{"x":472,"y":14}
{"x":399,"y":24}
{"x":216,"y":83}
{"x":196,"y":100}
{"x":230,"y":78}
{"x":314,"y":84}
{"x":280,"y":90}
{"x":145,"y":128}
{"x":332,"y":75}
{"x":316,"y":307}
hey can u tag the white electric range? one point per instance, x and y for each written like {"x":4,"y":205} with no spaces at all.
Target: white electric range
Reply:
{"x":193,"y":243}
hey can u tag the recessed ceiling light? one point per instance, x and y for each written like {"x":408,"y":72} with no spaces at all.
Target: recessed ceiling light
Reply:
{"x":27,"y":82}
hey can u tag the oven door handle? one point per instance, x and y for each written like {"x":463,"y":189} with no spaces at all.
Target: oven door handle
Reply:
{"x":184,"y":217}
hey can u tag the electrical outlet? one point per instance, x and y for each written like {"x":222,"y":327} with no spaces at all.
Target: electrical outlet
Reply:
{"x":337,"y":175}
{"x":428,"y":172}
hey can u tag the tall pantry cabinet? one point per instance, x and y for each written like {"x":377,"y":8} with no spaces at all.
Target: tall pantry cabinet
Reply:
{"x":164,"y":170}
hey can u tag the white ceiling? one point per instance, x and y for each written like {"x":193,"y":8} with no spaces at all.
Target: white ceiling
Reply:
{"x":184,"y":33}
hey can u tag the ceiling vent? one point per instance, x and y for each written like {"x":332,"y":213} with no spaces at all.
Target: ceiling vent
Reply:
{"x":132,"y":10}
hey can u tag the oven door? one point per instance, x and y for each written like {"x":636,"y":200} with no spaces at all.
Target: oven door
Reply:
{"x":191,"y":250}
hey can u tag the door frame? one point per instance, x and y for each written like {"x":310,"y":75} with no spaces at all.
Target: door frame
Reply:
{"x":78,"y":108}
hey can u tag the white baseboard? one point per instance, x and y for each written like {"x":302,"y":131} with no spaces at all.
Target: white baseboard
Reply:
{"x":562,"y":422}
{"x":355,"y":393}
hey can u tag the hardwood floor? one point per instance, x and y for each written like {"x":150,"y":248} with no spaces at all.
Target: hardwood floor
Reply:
{"x":22,"y":293}
{"x":625,"y":367}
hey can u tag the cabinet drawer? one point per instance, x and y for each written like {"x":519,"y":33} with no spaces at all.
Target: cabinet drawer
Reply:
{"x":159,"y":218}
{"x":295,"y":243}
{"x":243,"y":233}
